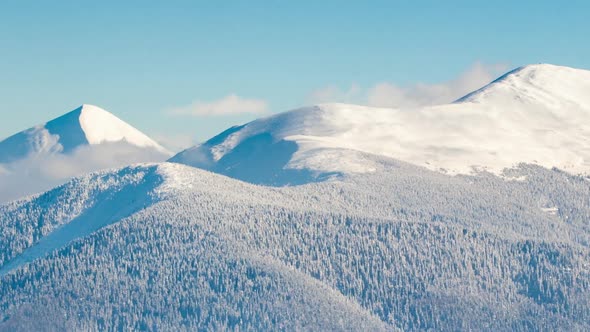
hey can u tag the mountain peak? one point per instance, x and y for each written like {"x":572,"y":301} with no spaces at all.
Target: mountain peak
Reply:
{"x":541,"y":67}
{"x":533,"y":114}
{"x":85,"y":125}
{"x":540,"y":73}
{"x":536,"y":83}
{"x":100,"y":126}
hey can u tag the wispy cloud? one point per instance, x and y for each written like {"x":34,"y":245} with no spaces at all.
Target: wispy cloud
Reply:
{"x":228,"y":105}
{"x":38,"y":173}
{"x":386,"y":94}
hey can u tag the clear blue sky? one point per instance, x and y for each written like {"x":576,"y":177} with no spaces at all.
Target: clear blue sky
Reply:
{"x":140,"y":58}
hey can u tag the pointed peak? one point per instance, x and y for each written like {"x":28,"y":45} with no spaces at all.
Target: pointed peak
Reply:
{"x":517,"y":83}
{"x":89,"y":106}
{"x":85,"y":125}
{"x":101,"y":126}
{"x":532,"y":70}
{"x":92,"y":108}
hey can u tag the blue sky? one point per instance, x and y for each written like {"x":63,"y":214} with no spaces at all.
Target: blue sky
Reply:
{"x":170,"y":67}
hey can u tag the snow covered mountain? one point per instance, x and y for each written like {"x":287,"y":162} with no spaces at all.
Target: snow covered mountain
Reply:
{"x":83,"y":140}
{"x":538,"y":114}
{"x":86,"y":125}
{"x":173,"y":247}
{"x":407,"y":235}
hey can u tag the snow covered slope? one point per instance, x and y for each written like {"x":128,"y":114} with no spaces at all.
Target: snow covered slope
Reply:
{"x":171,"y":247}
{"x":86,"y":139}
{"x":538,"y":114}
{"x":394,"y":244}
{"x":86,"y":125}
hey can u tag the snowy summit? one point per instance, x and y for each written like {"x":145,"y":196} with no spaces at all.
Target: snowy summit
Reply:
{"x":84,"y":140}
{"x":536,"y":114}
{"x":86,"y":125}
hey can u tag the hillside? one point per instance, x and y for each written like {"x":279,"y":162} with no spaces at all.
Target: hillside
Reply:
{"x":408,"y":248}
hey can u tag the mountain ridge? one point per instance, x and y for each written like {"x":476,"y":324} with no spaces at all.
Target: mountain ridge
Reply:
{"x":534,"y":75}
{"x":355,"y":231}
{"x":534,"y":114}
{"x":407,"y":248}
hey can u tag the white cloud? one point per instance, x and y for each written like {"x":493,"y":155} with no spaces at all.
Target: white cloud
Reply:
{"x":38,"y":173}
{"x":228,"y":105}
{"x":386,"y":94}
